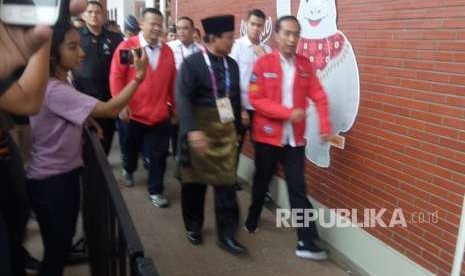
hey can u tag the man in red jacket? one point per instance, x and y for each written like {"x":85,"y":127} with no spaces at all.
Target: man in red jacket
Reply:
{"x":150,"y":109}
{"x":280,"y":86}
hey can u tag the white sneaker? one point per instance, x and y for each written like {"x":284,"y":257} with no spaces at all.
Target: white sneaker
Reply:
{"x":310,"y":251}
{"x":159,"y":201}
{"x":128,"y":179}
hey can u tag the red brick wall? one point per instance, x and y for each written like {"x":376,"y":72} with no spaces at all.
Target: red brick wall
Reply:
{"x":407,"y":147}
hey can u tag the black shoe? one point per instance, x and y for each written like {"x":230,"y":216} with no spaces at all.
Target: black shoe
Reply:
{"x":250,"y":226}
{"x":78,"y":254}
{"x":194,"y":237}
{"x":310,"y":250}
{"x":232,"y":246}
{"x":250,"y":230}
{"x":32,"y":265}
{"x":237,"y":187}
{"x":267,"y":199}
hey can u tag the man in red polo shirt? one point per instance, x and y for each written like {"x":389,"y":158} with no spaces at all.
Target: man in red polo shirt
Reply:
{"x":150,"y":109}
{"x":280,"y":87}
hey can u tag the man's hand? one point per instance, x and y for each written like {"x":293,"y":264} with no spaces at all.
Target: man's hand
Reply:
{"x":18,"y":44}
{"x":297,"y":115}
{"x":140,"y":63}
{"x":174,"y":119}
{"x":245,"y":118}
{"x":198,"y":142}
{"x":124,"y":114}
{"x":91,"y":123}
{"x":259,"y":50}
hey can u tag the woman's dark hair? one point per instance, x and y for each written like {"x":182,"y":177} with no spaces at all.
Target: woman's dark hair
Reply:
{"x":59,"y":33}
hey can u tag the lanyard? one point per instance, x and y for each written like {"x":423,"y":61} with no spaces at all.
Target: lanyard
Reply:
{"x":227,"y":78}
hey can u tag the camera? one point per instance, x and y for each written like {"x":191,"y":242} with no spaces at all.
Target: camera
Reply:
{"x":126,"y":55}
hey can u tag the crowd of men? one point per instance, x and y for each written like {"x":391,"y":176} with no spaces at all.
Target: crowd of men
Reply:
{"x":156,"y":88}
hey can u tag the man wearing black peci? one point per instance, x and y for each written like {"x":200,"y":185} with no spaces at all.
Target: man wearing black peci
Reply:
{"x":209,"y":108}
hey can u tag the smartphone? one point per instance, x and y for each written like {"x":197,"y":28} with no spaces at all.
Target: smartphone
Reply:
{"x":30,"y":12}
{"x":126,"y":57}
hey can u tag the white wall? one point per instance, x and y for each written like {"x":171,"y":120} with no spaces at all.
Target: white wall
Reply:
{"x":125,"y":7}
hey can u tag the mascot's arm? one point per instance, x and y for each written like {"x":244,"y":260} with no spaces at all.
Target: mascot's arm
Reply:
{"x":317,"y":94}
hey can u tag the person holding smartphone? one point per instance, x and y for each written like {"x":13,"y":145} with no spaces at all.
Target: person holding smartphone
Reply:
{"x":53,"y":174}
{"x":148,"y":113}
{"x":19,"y":94}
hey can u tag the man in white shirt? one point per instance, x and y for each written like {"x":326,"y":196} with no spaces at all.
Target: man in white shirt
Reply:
{"x":182,"y":47}
{"x":246,"y":51}
{"x":282,"y":83}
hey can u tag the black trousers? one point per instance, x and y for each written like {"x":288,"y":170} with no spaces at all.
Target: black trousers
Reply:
{"x":56,"y":201}
{"x":5,"y":265}
{"x":292,"y":159}
{"x":108,"y":127}
{"x":14,"y":211}
{"x":174,"y":131}
{"x":244,"y":132}
{"x":226,"y":208}
{"x":156,"y":139}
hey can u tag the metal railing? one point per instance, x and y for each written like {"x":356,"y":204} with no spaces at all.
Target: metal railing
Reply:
{"x":114,"y":246}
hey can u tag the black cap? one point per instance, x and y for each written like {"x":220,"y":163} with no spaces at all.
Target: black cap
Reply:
{"x":218,"y":24}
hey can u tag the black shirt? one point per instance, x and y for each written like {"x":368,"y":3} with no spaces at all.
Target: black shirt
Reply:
{"x":194,"y":88}
{"x":92,"y":78}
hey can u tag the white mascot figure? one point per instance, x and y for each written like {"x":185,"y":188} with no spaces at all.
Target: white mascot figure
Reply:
{"x":333,"y":60}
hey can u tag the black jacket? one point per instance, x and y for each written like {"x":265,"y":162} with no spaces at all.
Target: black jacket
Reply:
{"x":92,"y":78}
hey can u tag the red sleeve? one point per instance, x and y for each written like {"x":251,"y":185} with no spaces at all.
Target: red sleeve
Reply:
{"x":318,"y":95}
{"x":118,"y":72}
{"x":259,"y":96}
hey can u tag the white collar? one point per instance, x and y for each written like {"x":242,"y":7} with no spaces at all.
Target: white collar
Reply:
{"x":248,"y":42}
{"x":187,"y":47}
{"x":144,"y":43}
{"x":290,"y":61}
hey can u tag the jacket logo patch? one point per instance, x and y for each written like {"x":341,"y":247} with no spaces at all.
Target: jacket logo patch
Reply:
{"x":253,"y":78}
{"x":268,"y":129}
{"x":253,"y":87}
{"x":304,"y":75}
{"x":270,"y":75}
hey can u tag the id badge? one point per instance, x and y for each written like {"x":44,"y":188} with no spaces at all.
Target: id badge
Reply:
{"x":225,"y":110}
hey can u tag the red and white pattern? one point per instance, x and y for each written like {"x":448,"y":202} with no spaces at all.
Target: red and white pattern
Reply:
{"x":321,"y":51}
